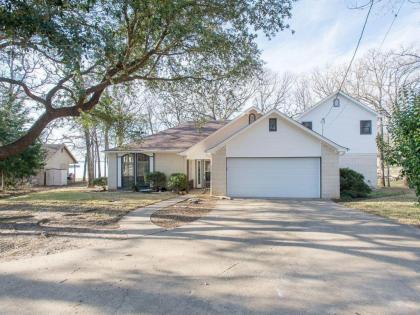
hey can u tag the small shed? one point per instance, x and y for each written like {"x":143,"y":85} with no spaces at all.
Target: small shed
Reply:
{"x":57,"y":162}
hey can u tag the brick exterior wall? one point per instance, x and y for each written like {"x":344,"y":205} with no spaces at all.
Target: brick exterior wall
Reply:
{"x":330,"y":173}
{"x":218,"y":173}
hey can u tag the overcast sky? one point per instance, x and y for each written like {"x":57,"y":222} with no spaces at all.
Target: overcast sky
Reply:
{"x":326,"y":32}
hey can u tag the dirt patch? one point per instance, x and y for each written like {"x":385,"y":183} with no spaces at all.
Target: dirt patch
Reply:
{"x":19,"y":246}
{"x":51,"y":221}
{"x":183,"y":213}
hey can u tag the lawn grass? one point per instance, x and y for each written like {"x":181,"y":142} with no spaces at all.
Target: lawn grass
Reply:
{"x":396,"y":202}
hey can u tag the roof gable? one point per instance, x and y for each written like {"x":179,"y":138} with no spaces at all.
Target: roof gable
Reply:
{"x":342,"y":94}
{"x":52,"y":149}
{"x":288,"y":119}
{"x":226,"y":129}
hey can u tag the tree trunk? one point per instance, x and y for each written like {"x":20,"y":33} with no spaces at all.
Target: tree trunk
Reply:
{"x":106,"y":140}
{"x":381,"y":152}
{"x":84,"y":168}
{"x":388,"y":169}
{"x":93,"y":158}
{"x":98,"y":154}
{"x":90,"y":162}
{"x":2,"y":181}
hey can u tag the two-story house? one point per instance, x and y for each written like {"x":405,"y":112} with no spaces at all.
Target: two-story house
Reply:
{"x":351,"y":124}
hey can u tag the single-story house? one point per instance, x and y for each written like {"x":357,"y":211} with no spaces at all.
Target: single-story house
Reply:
{"x":253,"y":155}
{"x":58,"y":159}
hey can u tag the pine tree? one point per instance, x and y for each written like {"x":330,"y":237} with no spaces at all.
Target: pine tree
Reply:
{"x":13,"y":120}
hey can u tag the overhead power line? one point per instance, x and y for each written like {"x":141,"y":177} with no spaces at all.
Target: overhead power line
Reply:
{"x":392,"y":23}
{"x":357,"y":47}
{"x":349,"y":66}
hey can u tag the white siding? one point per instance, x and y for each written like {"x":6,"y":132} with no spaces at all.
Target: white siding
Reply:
{"x":119,"y":183}
{"x":287,"y":141}
{"x":364,"y":164}
{"x":198,"y":150}
{"x":342,"y":124}
{"x":169,"y":163}
{"x":56,"y":177}
{"x":59,"y":160}
{"x":112,"y":171}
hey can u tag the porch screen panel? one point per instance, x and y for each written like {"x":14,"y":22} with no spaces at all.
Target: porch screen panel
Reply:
{"x":127,"y":171}
{"x":143,"y":168}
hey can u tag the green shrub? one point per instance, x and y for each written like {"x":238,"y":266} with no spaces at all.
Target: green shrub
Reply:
{"x":157,"y":180}
{"x":177,"y":182}
{"x":352,"y":184}
{"x":100,"y":181}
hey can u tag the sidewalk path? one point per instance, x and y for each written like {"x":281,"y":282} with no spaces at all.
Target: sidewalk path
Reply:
{"x":137,"y":223}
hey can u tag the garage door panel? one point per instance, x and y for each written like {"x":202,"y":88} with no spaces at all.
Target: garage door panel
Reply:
{"x":273,"y":177}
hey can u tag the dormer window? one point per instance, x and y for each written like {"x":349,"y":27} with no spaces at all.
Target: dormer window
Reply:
{"x":252,"y":118}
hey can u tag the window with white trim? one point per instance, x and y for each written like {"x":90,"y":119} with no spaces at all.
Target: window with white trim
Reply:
{"x":366,"y":127}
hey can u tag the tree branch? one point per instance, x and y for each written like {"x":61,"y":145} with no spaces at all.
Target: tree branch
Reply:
{"x":28,"y":92}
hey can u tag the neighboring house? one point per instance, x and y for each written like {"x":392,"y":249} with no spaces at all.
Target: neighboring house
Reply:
{"x":57,"y":162}
{"x":254,"y":155}
{"x":351,"y":124}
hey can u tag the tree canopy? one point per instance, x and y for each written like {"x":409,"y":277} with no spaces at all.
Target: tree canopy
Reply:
{"x":405,"y":133}
{"x":67,"y":53}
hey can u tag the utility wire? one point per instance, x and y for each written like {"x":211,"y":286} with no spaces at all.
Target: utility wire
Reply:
{"x":392,"y":23}
{"x":357,"y":47}
{"x":351,"y":61}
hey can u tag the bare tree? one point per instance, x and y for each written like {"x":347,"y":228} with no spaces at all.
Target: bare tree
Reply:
{"x":273,"y":91}
{"x":302,"y":94}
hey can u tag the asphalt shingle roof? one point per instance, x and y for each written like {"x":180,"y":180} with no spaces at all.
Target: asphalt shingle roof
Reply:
{"x":178,"y":138}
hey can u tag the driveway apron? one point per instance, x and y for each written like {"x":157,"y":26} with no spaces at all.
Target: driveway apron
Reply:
{"x":244,"y":257}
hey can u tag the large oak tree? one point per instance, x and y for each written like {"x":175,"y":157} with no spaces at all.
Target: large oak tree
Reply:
{"x":67,"y":53}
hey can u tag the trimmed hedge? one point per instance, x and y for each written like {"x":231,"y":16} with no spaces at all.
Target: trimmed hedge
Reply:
{"x":178,"y":182}
{"x":157,"y":180}
{"x":352,"y":184}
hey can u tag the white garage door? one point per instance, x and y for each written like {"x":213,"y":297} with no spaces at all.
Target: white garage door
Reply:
{"x":274,"y":177}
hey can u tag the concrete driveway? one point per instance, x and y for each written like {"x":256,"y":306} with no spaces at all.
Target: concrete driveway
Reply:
{"x":247,"y":256}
